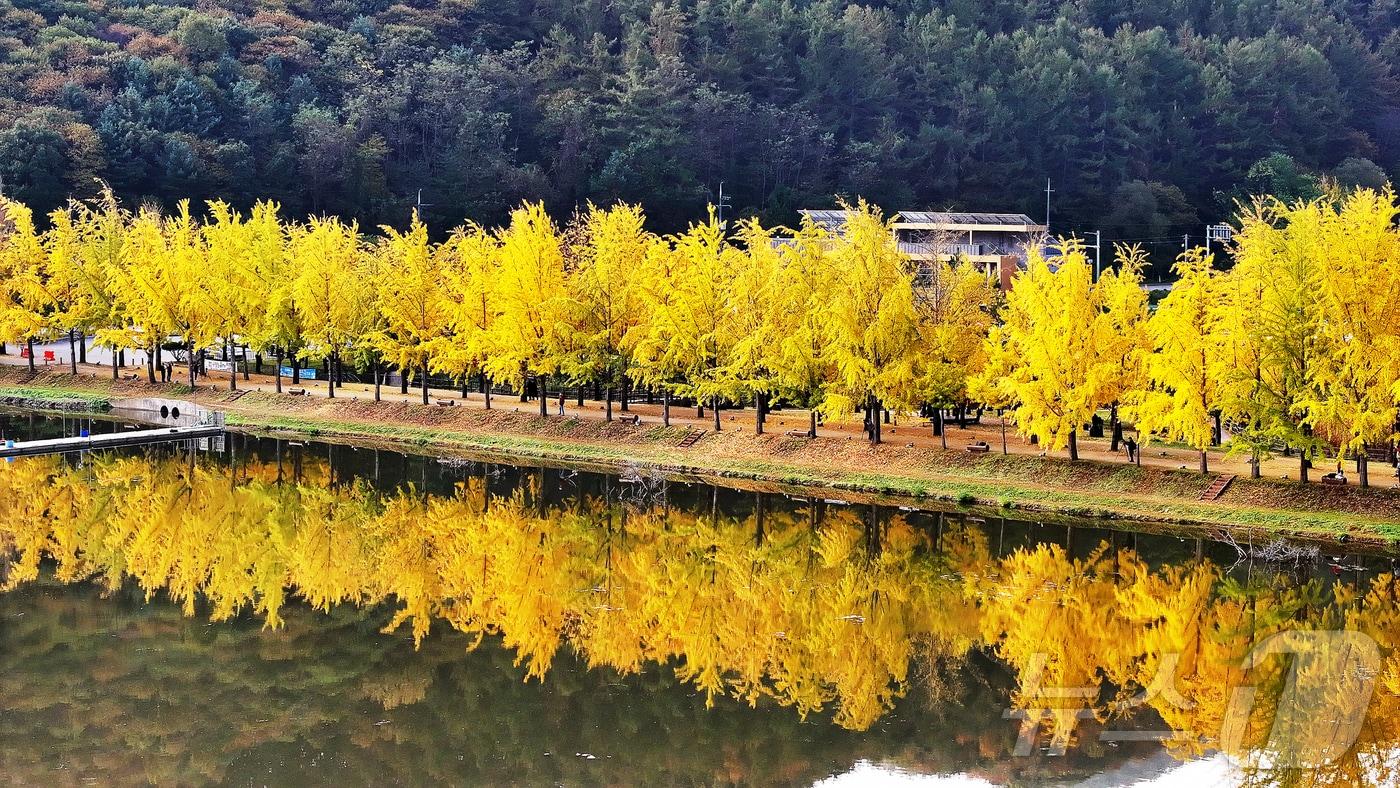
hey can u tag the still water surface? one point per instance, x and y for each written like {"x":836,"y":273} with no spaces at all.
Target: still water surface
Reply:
{"x":256,"y":611}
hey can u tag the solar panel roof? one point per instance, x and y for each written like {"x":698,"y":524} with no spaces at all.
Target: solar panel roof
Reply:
{"x":833,"y":218}
{"x":954,"y":217}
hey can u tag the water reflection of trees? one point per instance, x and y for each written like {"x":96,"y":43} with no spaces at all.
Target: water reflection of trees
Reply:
{"x":833,"y":610}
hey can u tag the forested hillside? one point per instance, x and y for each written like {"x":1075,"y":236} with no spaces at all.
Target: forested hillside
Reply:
{"x":1147,"y":115}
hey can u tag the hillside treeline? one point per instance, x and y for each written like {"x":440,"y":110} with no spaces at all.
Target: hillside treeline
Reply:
{"x":1148,"y":117}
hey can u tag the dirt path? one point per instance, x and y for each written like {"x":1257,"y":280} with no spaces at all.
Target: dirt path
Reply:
{"x":904,"y":432}
{"x":910,"y":462}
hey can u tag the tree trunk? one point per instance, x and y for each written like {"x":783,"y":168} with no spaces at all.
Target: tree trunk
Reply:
{"x":403,"y":380}
{"x":812,"y":423}
{"x":1117,"y":427}
{"x":424,"y":373}
{"x":666,"y":408}
{"x":607,"y":403}
{"x":760,"y":402}
{"x":1074,"y":444}
{"x":114,"y":366}
{"x":942,"y":428}
{"x":189,"y":354}
{"x":377,"y":370}
{"x":578,"y":393}
{"x":330,"y":376}
{"x":486,"y":390}
{"x":871,"y":419}
{"x":29,"y":344}
{"x":623,"y":391}
{"x":464,"y":386}
{"x":279,"y":369}
{"x":232,"y":369}
{"x":962,"y":417}
{"x":1254,"y":471}
{"x":544,"y":396}
{"x":714,"y":405}
{"x":1302,"y":466}
{"x":1362,"y":460}
{"x":1003,"y":433}
{"x":296,"y":369}
{"x":258,"y":361}
{"x":73,"y":351}
{"x":244,"y":356}
{"x":1205,"y":467}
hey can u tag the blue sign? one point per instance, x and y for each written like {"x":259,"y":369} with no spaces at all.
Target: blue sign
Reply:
{"x":306,"y":374}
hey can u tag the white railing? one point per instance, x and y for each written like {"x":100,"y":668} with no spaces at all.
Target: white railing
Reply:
{"x":924,"y":248}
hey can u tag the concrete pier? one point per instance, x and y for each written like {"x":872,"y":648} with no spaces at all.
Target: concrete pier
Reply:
{"x":107,"y":441}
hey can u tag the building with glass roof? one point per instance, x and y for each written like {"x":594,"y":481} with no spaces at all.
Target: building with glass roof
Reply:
{"x":995,"y":241}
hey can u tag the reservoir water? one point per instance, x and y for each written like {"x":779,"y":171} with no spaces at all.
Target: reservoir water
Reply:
{"x":253,"y":611}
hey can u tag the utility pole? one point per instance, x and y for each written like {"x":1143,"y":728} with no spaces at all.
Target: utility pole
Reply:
{"x":1098,"y":255}
{"x":419,"y":205}
{"x":1048,"y":190}
{"x":1218,"y":232}
{"x":721,"y":202}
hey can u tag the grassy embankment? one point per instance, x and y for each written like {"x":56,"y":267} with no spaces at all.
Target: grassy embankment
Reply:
{"x":1054,"y":485}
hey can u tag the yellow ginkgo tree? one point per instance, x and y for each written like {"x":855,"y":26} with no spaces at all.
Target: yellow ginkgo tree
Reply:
{"x":875,"y":328}
{"x":27,"y":307}
{"x":327,"y":254}
{"x":800,"y":354}
{"x":1183,"y":399}
{"x":954,"y":302}
{"x":409,"y":300}
{"x":605,"y":296}
{"x":1358,"y":370}
{"x":528,"y":331}
{"x":469,"y":264}
{"x":699,"y":323}
{"x":1048,"y":356}
{"x":1280,"y":259}
{"x":752,"y":368}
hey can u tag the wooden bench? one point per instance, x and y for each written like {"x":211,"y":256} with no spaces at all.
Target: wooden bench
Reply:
{"x":1332,"y":478}
{"x":296,"y":392}
{"x":445,"y":403}
{"x":797,"y":434}
{"x":978,"y":448}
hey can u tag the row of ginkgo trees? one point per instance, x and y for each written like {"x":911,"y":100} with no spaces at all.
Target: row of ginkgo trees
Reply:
{"x":1294,"y":346}
{"x":829,"y":322}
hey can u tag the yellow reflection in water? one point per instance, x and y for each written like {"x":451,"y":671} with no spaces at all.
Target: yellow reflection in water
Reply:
{"x":815,"y":613}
